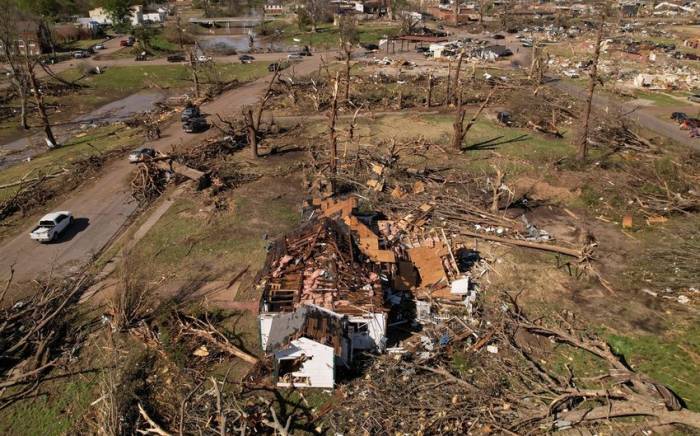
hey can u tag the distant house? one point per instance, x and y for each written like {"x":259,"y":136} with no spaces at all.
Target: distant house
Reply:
{"x":89,"y":24}
{"x":101,"y":16}
{"x":33,"y":38}
{"x":275,"y":9}
{"x":153,"y":17}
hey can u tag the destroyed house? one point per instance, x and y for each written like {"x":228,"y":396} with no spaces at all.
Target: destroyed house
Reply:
{"x":320,"y":294}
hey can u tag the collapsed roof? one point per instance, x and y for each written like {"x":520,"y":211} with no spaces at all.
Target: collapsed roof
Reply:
{"x":319,"y":264}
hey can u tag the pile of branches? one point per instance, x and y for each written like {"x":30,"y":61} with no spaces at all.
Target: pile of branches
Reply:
{"x":38,"y":334}
{"x":614,"y":134}
{"x":459,"y":204}
{"x":664,"y":186}
{"x":166,"y":387}
{"x":547,"y":112}
{"x":149,"y":182}
{"x":211,"y":158}
{"x":506,"y":387}
{"x":572,"y":401}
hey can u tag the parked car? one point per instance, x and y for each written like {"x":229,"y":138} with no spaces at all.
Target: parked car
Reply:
{"x":422,"y":49}
{"x":203,"y":59}
{"x":51,"y":226}
{"x":143,"y":56}
{"x":99,"y":47}
{"x":294,"y":57}
{"x":177,"y":57}
{"x":80,"y":54}
{"x":679,"y":117}
{"x":190,"y":112}
{"x":572,"y":74}
{"x":141,"y":154}
{"x":128,"y":42}
{"x":246,"y":59}
{"x":695,"y":98}
{"x":195,"y":125}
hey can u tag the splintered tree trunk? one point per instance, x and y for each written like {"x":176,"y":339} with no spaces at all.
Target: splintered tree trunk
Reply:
{"x":39,"y":99}
{"x":195,"y":77}
{"x":460,"y":130}
{"x":250,"y":128}
{"x":332,"y":137}
{"x":458,"y":125}
{"x":583,"y":141}
{"x":347,"y":75}
{"x":429,"y":100}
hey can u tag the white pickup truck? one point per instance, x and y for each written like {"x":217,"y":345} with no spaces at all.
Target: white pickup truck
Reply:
{"x":51,"y":226}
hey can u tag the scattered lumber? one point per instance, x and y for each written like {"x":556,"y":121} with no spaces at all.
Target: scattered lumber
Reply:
{"x":527,"y":244}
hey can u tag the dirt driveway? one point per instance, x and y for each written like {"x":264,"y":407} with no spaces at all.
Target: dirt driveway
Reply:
{"x":103,"y":206}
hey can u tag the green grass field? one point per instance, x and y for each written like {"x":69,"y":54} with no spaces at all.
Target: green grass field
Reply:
{"x":126,"y":80}
{"x":98,"y":141}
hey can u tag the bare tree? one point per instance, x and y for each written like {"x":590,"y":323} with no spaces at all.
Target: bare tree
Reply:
{"x":29,"y":64}
{"x":332,"y":136}
{"x":317,"y":11}
{"x":583,"y":140}
{"x":348,"y":38}
{"x":483,"y":6}
{"x":265,"y":98}
{"x":429,"y":99}
{"x":193,"y":67}
{"x":11,"y":55}
{"x":459,"y":129}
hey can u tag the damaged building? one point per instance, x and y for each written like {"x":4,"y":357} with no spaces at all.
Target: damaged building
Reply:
{"x":322,"y":302}
{"x":328,"y":288}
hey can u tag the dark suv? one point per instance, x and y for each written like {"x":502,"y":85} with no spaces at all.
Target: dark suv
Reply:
{"x":195,"y":125}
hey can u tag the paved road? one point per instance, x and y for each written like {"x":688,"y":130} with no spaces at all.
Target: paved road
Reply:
{"x":634,"y":113}
{"x":103,"y":206}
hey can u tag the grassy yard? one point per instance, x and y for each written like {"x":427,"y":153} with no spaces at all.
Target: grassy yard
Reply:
{"x":660,"y":98}
{"x":672,"y":359}
{"x":192,"y":239}
{"x":53,"y":411}
{"x":83,"y":44}
{"x":486,"y":137}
